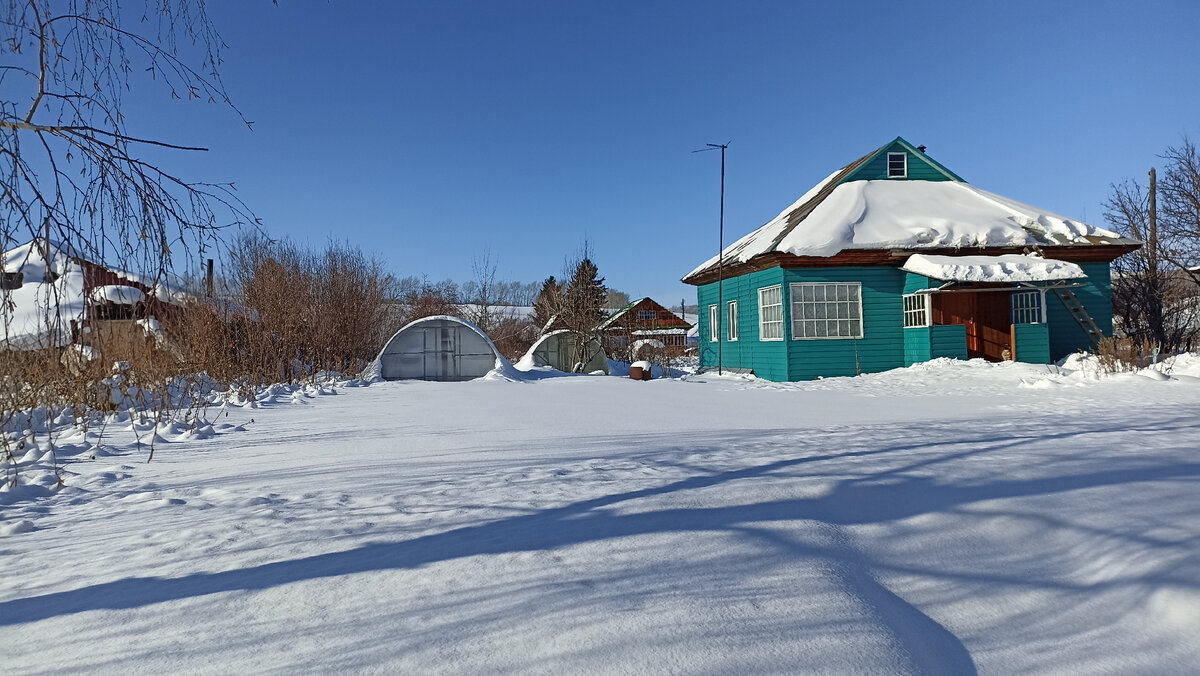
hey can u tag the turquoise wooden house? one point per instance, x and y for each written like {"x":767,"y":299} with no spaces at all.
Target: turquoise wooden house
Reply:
{"x":893,"y":260}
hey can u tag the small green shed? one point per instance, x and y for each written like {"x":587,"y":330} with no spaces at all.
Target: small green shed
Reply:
{"x":894,"y":259}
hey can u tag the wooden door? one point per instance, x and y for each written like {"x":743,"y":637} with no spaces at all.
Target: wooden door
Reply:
{"x":995,"y":326}
{"x":985,"y":314}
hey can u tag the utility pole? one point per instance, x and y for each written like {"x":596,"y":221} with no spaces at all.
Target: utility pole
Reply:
{"x":1152,"y":251}
{"x":1156,"y":304}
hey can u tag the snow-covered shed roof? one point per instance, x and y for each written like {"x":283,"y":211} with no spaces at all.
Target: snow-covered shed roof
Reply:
{"x":1005,"y":268}
{"x":845,"y":212}
{"x":116,"y":293}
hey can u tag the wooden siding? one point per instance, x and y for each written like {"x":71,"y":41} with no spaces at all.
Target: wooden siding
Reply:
{"x":1032,"y":343}
{"x":948,"y":341}
{"x":1066,"y":336}
{"x":875,"y":169}
{"x":916,"y":345}
{"x":914,"y":283}
{"x":933,"y":342}
{"x":768,"y":359}
{"x":882,"y":345}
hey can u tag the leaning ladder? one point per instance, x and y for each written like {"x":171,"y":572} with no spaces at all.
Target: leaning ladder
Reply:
{"x":1069,"y":299}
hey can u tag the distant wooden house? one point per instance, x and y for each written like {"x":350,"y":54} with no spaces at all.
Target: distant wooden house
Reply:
{"x":54,"y":296}
{"x":643,"y":326}
{"x":894,"y":259}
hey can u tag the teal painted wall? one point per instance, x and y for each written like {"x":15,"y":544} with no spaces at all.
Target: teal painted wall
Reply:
{"x":914,"y":283}
{"x":919,"y":167}
{"x":949,"y":340}
{"x":1033,"y":343}
{"x":1066,"y":336}
{"x":882,"y":345}
{"x":916,"y":345}
{"x":931,"y":342}
{"x":880,"y":348}
{"x":885,"y":343}
{"x":768,"y":359}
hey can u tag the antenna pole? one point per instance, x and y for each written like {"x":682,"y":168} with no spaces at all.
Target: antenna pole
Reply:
{"x":720,"y":259}
{"x":722,"y":307}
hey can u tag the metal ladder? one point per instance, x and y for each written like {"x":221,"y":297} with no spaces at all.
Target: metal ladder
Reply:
{"x":1071,"y":301}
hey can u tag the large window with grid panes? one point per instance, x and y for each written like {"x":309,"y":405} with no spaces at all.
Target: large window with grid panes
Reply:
{"x":916,"y":310}
{"x":770,"y":313}
{"x":1026,"y":307}
{"x":826,"y":310}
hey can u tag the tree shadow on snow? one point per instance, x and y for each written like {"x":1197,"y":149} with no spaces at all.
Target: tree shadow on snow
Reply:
{"x":878,"y":497}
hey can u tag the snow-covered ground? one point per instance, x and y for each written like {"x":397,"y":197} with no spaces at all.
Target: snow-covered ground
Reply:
{"x":947,"y":518}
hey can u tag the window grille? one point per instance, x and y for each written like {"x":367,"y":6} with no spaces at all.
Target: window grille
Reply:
{"x":646,"y":315}
{"x":897,"y":165}
{"x":916,"y":310}
{"x":770,"y":313}
{"x":1026,"y":307}
{"x":826,"y":310}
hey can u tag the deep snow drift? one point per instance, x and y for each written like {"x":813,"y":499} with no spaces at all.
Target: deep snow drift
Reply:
{"x":947,"y":518}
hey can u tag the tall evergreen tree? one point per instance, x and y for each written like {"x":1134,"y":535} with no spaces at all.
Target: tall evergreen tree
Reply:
{"x":584,"y":307}
{"x":548,"y":303}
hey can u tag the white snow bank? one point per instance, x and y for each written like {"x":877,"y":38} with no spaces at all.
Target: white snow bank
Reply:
{"x":1006,"y":268}
{"x":911,"y":215}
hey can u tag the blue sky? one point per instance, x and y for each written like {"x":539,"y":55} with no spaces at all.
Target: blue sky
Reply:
{"x":433,"y":132}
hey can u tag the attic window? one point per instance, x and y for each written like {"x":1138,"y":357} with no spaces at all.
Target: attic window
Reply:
{"x":897,"y":165}
{"x":646,"y":315}
{"x":11,"y":281}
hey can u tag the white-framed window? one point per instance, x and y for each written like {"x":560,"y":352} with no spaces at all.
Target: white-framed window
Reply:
{"x":646,"y":315}
{"x":916,"y":310}
{"x":826,"y":310}
{"x":714,"y":333}
{"x":770,"y":313}
{"x":897,"y":165}
{"x":1026,"y":307}
{"x":731,"y":320}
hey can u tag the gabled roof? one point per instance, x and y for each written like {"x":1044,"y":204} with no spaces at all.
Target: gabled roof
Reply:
{"x":619,"y":313}
{"x":857,"y":207}
{"x":616,"y":316}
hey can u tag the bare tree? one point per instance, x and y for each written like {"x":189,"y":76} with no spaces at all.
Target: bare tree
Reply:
{"x":1155,"y":289}
{"x":483,"y":292}
{"x":1179,"y":208}
{"x":70,"y":167}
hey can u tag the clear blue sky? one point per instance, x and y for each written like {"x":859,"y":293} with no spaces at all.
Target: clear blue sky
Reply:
{"x":430,"y":132}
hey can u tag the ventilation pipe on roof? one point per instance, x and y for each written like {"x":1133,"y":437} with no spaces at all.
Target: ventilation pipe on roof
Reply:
{"x":921,"y":148}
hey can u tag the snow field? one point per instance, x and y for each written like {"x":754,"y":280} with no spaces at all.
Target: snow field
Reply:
{"x":947,"y":518}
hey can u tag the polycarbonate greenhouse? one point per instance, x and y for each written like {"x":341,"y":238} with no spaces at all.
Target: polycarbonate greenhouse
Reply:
{"x":441,"y":348}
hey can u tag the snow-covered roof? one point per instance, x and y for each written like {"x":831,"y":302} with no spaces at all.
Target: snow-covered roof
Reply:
{"x":835,"y":216}
{"x":116,"y":293}
{"x":660,"y":332}
{"x":1006,"y":268}
{"x":39,"y":314}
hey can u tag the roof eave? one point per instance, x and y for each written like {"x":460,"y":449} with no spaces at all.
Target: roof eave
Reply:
{"x":1074,"y":253}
